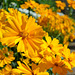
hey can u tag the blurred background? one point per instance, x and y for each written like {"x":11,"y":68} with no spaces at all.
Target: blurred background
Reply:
{"x":5,"y":4}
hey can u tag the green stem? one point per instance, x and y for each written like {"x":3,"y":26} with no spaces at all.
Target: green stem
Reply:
{"x":71,"y":12}
{"x":3,"y":4}
{"x":21,"y":56}
{"x":29,"y":11}
{"x":17,"y":5}
{"x":7,"y":5}
{"x":58,"y":35}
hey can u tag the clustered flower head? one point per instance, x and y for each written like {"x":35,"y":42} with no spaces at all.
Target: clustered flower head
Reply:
{"x":6,"y":57}
{"x":60,"y":4}
{"x":35,"y":6}
{"x":71,"y":3}
{"x":63,"y":24}
{"x":37,"y":51}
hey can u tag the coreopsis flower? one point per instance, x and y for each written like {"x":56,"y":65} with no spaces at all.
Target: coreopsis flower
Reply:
{"x":30,"y":3}
{"x":7,"y":70}
{"x":6,"y":57}
{"x":24,"y":32}
{"x":71,"y":3}
{"x":41,"y":7}
{"x":50,"y":48}
{"x":25,"y":69}
{"x":57,"y":64}
{"x":2,"y":20}
{"x":60,"y":4}
{"x":69,"y":58}
{"x":35,"y":6}
{"x":52,"y":45}
{"x":72,"y":36}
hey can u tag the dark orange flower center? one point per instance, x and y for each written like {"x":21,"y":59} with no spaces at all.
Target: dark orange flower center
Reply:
{"x":2,"y":57}
{"x":33,"y":73}
{"x":49,"y":47}
{"x":23,"y":35}
{"x":69,"y":60}
{"x":56,"y":64}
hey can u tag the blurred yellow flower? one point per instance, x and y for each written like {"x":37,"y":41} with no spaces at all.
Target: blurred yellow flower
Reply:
{"x":6,"y":57}
{"x":60,"y":4}
{"x":2,"y":20}
{"x":30,"y":3}
{"x":69,"y":58}
{"x":38,"y":8}
{"x":52,"y":22}
{"x":7,"y":70}
{"x":71,"y":3}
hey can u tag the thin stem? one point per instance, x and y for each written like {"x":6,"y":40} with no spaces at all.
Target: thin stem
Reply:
{"x":3,"y":4}
{"x":58,"y":35}
{"x":71,"y":11}
{"x":17,"y":5}
{"x":21,"y":56}
{"x":29,"y":11}
{"x":7,"y":5}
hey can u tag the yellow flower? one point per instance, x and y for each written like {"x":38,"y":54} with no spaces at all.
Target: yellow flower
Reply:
{"x":41,"y":7}
{"x":2,"y":20}
{"x":5,"y":57}
{"x":38,"y":8}
{"x":71,"y":3}
{"x":69,"y":58}
{"x":58,"y":10}
{"x":30,"y":3}
{"x":26,"y":70}
{"x":60,"y":4}
{"x":57,"y":64}
{"x":53,"y":45}
{"x":8,"y":71}
{"x":72,"y":36}
{"x":26,"y":32}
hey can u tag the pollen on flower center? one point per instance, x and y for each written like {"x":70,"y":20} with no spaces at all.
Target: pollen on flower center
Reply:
{"x":23,"y":34}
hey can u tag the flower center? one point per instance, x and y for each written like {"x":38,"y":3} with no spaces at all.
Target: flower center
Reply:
{"x":33,"y":73}
{"x":56,"y":64}
{"x":23,"y":34}
{"x":2,"y":57}
{"x":69,"y":60}
{"x":49,"y":47}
